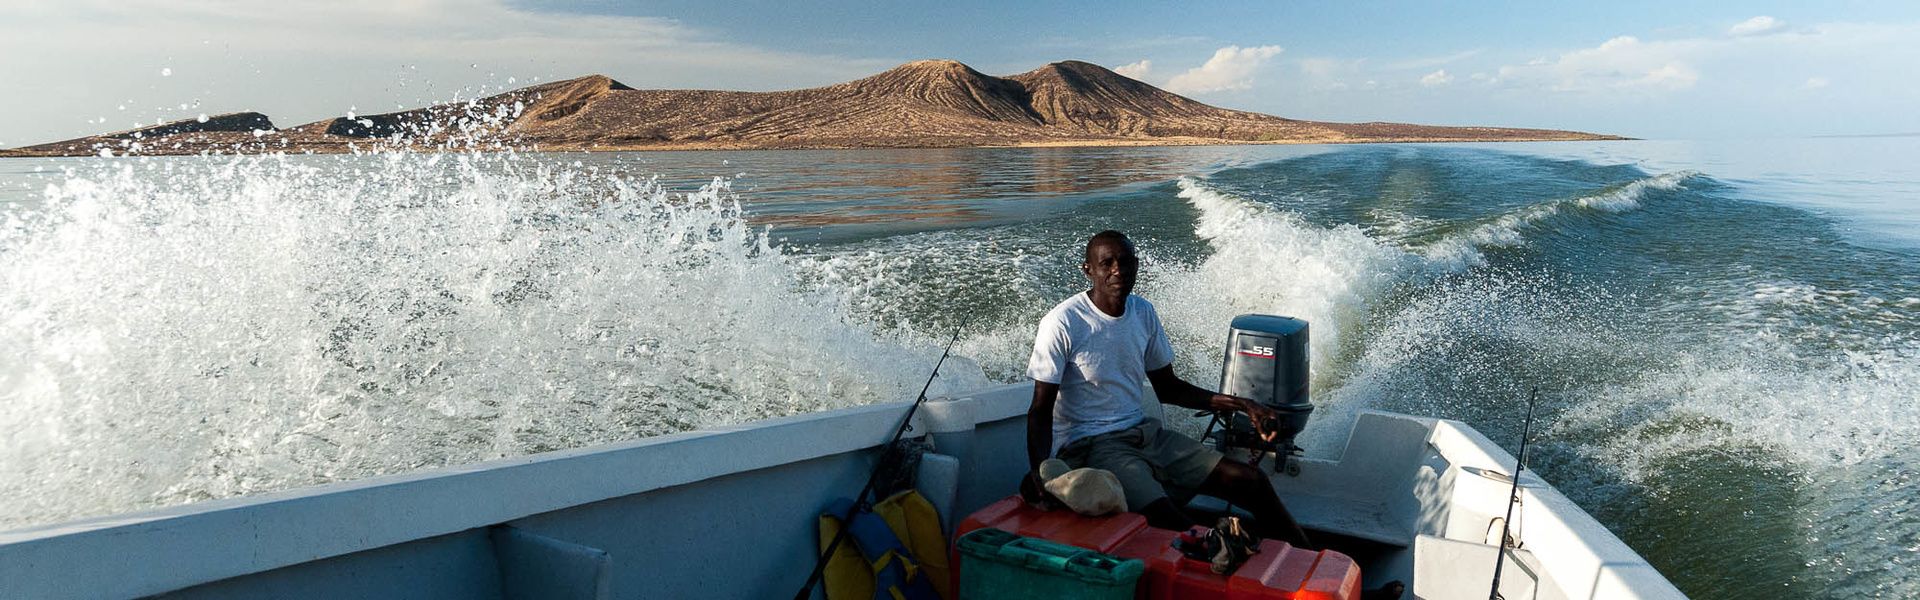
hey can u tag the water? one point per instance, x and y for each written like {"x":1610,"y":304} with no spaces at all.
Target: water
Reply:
{"x":1724,"y":334}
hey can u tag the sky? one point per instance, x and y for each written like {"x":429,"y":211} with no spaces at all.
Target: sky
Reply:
{"x":1659,"y":70}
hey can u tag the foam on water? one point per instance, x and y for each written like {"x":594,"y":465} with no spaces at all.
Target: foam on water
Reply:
{"x":1823,"y":378}
{"x":1762,"y":378}
{"x":178,"y":330}
{"x":1511,"y":228}
{"x":1833,"y":421}
{"x":1781,"y":378}
{"x":1270,"y":261}
{"x":998,"y":281}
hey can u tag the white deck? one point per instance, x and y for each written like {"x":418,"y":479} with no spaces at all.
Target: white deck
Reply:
{"x":728,"y":513}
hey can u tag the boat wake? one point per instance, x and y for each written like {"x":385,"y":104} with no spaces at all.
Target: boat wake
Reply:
{"x":180,"y":330}
{"x":1512,"y":228}
{"x":1735,"y":382}
{"x":1270,"y":261}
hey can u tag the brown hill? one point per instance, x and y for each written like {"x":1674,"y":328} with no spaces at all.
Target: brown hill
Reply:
{"x":918,"y":104}
{"x":921,"y":103}
{"x":1091,"y":99}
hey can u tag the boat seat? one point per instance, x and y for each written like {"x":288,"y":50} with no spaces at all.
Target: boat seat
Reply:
{"x":1344,"y":516}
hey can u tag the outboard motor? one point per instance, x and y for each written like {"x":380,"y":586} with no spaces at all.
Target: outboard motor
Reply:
{"x":1266,"y":362}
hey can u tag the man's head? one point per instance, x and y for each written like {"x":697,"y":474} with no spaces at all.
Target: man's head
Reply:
{"x":1111,"y":264}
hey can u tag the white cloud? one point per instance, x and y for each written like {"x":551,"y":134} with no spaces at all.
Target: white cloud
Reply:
{"x":1673,"y":75}
{"x":1681,"y":82}
{"x":1621,"y":64}
{"x":1761,"y":25}
{"x":1231,"y":68}
{"x":1433,"y":61}
{"x":1137,"y":70}
{"x":1436,"y":79}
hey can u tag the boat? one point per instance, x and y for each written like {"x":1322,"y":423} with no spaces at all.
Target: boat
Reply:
{"x":729,"y":512}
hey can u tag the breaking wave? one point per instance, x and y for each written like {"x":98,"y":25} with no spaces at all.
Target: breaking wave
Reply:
{"x":1511,"y":228}
{"x":1267,"y":260}
{"x":179,"y":330}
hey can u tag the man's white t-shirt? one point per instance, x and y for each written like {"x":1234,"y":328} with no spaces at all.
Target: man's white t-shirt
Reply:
{"x":1100,"y":362}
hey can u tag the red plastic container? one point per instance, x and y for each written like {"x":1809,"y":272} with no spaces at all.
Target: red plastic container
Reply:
{"x":1278,"y":572}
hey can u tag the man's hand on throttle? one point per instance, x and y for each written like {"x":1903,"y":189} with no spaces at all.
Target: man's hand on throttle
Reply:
{"x":1263,"y":418}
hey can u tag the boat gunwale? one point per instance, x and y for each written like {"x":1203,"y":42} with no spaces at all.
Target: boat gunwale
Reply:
{"x":165,"y":549}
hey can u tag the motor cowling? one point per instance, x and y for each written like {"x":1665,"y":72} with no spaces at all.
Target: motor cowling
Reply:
{"x":1266,"y":361}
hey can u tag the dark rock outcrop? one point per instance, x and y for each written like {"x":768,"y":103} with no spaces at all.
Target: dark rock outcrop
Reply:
{"x":240,"y":121}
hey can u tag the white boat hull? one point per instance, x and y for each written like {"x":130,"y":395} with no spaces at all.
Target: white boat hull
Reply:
{"x":728,"y":513}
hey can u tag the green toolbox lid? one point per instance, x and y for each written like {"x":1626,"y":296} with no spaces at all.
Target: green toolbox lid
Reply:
{"x":999,"y":546}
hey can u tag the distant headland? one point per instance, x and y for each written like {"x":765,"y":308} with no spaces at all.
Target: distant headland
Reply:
{"x":922,"y":104}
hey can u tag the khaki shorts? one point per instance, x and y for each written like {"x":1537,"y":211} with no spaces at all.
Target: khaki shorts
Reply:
{"x":1150,"y":462}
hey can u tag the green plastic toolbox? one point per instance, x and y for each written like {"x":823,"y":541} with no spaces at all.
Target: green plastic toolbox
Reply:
{"x":995,"y":564}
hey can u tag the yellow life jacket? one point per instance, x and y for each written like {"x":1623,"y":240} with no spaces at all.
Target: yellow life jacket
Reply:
{"x":908,"y":555}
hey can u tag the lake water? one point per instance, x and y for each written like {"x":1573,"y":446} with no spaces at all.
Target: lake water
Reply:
{"x":1725,"y":335}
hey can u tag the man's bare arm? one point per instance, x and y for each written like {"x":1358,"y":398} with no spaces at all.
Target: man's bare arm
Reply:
{"x":1039,"y":441}
{"x":1176,"y":391}
{"x":1040,"y":423}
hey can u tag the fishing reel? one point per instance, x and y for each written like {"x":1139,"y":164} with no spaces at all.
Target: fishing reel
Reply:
{"x":1266,"y":361}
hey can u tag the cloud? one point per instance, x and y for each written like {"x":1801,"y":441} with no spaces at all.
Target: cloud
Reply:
{"x":1814,"y":83}
{"x":1673,"y":75}
{"x":1432,"y":61}
{"x":1436,"y":79}
{"x":1231,"y":68}
{"x":1761,"y":25}
{"x":1137,"y":70}
{"x":1620,"y":64}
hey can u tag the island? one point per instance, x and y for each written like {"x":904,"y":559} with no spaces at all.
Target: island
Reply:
{"x":922,"y":104}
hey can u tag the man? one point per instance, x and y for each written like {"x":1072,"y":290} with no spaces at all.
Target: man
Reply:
{"x":1090,"y":358}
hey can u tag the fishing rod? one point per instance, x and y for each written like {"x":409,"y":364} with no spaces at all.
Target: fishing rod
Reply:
{"x":860,"y":500}
{"x":1513,"y":497}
